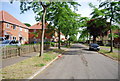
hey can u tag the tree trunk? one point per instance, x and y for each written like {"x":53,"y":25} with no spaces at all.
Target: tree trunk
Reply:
{"x":94,"y":39}
{"x":67,"y":40}
{"x":42,"y":34}
{"x":59,"y":38}
{"x":102,"y":40}
{"x":111,"y":37}
{"x":89,"y":39}
{"x":111,"y":41}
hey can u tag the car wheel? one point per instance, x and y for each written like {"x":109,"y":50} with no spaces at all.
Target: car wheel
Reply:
{"x":90,"y":49}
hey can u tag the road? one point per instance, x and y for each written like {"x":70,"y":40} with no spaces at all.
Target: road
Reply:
{"x":80,"y":63}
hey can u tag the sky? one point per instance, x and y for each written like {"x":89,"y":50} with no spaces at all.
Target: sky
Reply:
{"x":29,"y":16}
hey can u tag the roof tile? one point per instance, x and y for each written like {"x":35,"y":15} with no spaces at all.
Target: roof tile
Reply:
{"x":5,"y":16}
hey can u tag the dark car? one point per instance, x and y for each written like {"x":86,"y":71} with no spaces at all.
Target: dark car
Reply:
{"x":94,"y":46}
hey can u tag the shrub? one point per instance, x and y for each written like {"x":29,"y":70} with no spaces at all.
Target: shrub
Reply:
{"x":52,"y":43}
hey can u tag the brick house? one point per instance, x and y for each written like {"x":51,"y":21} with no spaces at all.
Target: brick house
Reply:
{"x":55,"y":37}
{"x":50,"y":34}
{"x":35,"y":33}
{"x":12,"y":29}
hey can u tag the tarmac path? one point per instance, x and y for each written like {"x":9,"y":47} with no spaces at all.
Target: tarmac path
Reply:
{"x":80,"y":63}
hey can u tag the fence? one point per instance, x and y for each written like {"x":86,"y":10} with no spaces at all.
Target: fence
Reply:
{"x":8,"y":52}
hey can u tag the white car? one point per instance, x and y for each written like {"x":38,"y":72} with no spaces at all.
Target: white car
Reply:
{"x":10,"y":43}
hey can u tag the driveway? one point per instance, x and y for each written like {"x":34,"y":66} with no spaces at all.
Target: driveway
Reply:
{"x":80,"y":63}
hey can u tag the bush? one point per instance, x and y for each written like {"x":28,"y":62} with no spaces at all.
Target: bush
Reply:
{"x":47,"y":42}
{"x":52,"y":43}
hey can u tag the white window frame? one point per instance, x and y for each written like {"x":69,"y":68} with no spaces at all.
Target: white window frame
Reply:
{"x":7,"y":25}
{"x":26,"y":30}
{"x":14,"y":38}
{"x":20,"y":29}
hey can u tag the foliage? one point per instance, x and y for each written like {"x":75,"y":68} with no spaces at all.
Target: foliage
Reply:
{"x":110,"y":8}
{"x":52,"y":43}
{"x":110,"y":11}
{"x":83,"y":28}
{"x":27,"y":24}
{"x":97,"y":27}
{"x":40,"y":65}
{"x":60,"y":14}
{"x":114,"y":35}
{"x":73,"y":38}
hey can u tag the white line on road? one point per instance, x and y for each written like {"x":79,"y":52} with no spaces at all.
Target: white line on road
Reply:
{"x":39,"y":71}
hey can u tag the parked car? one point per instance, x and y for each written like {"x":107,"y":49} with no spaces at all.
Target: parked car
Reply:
{"x":10,"y":43}
{"x":94,"y":46}
{"x":2,"y":39}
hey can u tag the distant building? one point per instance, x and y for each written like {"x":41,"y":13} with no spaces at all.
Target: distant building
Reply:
{"x":35,"y":33}
{"x":55,"y":37}
{"x":12,"y":29}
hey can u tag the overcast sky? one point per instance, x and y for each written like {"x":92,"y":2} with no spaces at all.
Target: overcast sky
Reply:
{"x":28,"y":17}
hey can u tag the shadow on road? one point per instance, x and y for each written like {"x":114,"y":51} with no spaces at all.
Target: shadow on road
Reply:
{"x":86,"y":49}
{"x":76,"y":47}
{"x":71,"y":53}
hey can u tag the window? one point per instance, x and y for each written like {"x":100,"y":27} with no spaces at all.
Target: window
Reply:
{"x":26,"y":30}
{"x":14,"y":38}
{"x":20,"y":29}
{"x":14,"y":27}
{"x":7,"y":25}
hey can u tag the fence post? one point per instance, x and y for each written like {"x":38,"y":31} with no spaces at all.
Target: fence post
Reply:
{"x":19,"y":51}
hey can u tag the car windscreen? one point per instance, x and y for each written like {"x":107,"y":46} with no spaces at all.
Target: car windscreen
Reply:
{"x":94,"y":45}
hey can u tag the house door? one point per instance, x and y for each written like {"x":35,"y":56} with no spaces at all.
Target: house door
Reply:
{"x":20,"y":39}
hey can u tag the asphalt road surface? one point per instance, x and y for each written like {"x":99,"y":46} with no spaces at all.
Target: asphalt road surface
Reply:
{"x":80,"y":63}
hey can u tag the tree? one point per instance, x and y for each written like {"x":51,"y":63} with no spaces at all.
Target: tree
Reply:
{"x":71,"y":25}
{"x":83,"y":28}
{"x":27,"y":24}
{"x":106,"y":10}
{"x":40,"y":8}
{"x":73,"y":38}
{"x":112,"y":13}
{"x":62,"y":16}
{"x":96,"y":27}
{"x":52,"y":10}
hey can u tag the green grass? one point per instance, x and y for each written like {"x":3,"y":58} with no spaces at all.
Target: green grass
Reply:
{"x":111,"y":54}
{"x":40,"y":65}
{"x":60,"y":51}
{"x":109,"y":47}
{"x":26,"y":68}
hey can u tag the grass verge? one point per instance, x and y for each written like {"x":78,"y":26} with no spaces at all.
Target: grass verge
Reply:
{"x":28,"y":67}
{"x":109,"y":47}
{"x":113,"y":55}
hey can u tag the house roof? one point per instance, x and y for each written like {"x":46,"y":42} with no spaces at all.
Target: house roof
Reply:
{"x":5,"y":16}
{"x":38,"y":26}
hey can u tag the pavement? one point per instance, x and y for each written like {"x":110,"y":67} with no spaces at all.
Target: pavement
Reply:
{"x":14,"y":60}
{"x":80,"y":63}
